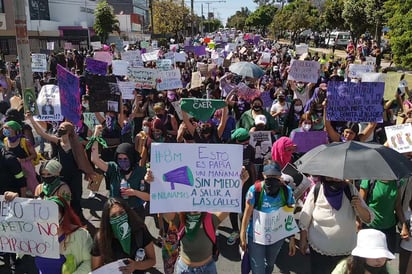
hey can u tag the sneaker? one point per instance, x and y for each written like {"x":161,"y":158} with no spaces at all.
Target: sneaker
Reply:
{"x":233,"y":238}
{"x":92,"y":195}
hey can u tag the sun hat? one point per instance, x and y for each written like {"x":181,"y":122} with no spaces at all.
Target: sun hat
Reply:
{"x":371,"y":244}
{"x":260,"y":119}
{"x":272,"y":169}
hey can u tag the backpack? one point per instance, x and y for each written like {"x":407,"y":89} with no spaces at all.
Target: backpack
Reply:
{"x":210,"y":232}
{"x":258,"y":191}
{"x":346,"y":190}
{"x":23,"y":145}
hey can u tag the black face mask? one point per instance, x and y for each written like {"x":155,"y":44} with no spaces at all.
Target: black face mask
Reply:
{"x":61,"y":132}
{"x":205,"y":130}
{"x":281,"y":100}
{"x":160,"y":116}
{"x":376,"y":270}
{"x":257,"y":108}
{"x":48,"y":180}
{"x":272,"y":186}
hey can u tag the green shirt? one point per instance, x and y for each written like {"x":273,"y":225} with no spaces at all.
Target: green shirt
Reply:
{"x":382,"y":201}
{"x":136,"y":181}
{"x":247,"y":121}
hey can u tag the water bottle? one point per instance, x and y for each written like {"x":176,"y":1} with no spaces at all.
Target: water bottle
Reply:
{"x":140,"y":254}
{"x":124,"y":184}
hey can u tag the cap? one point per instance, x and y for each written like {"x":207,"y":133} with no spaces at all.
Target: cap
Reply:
{"x":272,"y":169}
{"x":260,"y":119}
{"x":240,"y":135}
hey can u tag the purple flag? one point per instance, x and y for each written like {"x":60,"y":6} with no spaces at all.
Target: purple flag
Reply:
{"x":96,"y":66}
{"x":69,"y":94}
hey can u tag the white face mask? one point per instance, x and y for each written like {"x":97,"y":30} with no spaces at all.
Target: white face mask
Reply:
{"x":306,"y":127}
{"x":298,"y":108}
{"x":145,"y":129}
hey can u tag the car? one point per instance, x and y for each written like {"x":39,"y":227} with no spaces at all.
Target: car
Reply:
{"x":339,"y":39}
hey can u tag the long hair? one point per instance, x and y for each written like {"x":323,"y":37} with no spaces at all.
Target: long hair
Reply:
{"x":78,"y":151}
{"x":105,"y":235}
{"x":356,"y":265}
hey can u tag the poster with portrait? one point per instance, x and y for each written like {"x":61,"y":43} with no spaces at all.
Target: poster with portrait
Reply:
{"x":48,"y":103}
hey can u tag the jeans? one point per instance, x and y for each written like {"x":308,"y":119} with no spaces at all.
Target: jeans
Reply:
{"x":263,"y":257}
{"x":208,"y":268}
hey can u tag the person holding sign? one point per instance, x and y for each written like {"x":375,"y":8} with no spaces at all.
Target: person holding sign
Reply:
{"x":124,"y":170}
{"x":123,"y":235}
{"x":264,"y":200}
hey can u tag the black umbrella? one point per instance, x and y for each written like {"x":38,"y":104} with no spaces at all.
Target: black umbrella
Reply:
{"x":355,"y":160}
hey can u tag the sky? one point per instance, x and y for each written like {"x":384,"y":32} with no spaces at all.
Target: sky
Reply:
{"x":222,"y":10}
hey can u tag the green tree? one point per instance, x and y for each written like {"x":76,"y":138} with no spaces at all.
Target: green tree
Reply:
{"x":169,"y":16}
{"x":212,"y":25}
{"x":356,"y":17}
{"x":238,"y":19}
{"x":331,"y":17}
{"x":105,"y":21}
{"x":261,"y":18}
{"x":399,"y":16}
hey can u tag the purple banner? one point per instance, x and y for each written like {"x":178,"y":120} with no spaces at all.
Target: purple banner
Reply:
{"x":306,"y":140}
{"x":267,"y":101}
{"x":96,"y":66}
{"x":197,"y":50}
{"x":355,"y":102}
{"x":69,"y":94}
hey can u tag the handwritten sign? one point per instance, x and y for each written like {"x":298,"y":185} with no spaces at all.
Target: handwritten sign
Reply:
{"x":356,"y":70}
{"x":399,"y":137}
{"x":301,"y":49}
{"x":145,"y":78}
{"x":196,"y":81}
{"x":38,"y":62}
{"x":120,"y":67}
{"x":96,"y":66}
{"x":268,"y":228}
{"x":355,"y":102}
{"x":304,"y":71}
{"x":150,"y":56}
{"x":164,"y":64}
{"x":306,"y":140}
{"x":262,"y":142}
{"x":104,"y":56}
{"x":29,"y":227}
{"x":170,"y":79}
{"x":196,"y":177}
{"x":69,"y":94}
{"x":133,"y":57}
{"x":48,"y":104}
{"x":127,"y":88}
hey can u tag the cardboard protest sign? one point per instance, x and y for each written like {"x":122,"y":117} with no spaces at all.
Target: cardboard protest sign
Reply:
{"x":170,"y":79}
{"x":96,"y":66}
{"x":126,"y":88}
{"x":264,"y":59}
{"x":150,"y":56}
{"x":29,"y":227}
{"x":399,"y":137}
{"x":202,"y":109}
{"x":90,"y":119}
{"x":262,"y":142}
{"x":145,"y":78}
{"x":196,"y":177}
{"x":104,"y":56}
{"x":120,"y":67}
{"x":164,"y":64}
{"x":196,"y":80}
{"x":355,"y":102}
{"x":356,"y":70}
{"x":133,"y":57}
{"x":268,"y":228}
{"x":38,"y":62}
{"x":104,"y":93}
{"x":69,"y":94}
{"x":301,"y":49}
{"x":306,"y":140}
{"x":300,"y":182}
{"x":304,"y":71}
{"x":48,"y":103}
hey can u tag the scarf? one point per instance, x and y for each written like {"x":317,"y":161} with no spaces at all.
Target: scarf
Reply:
{"x":334,"y":197}
{"x":279,"y":154}
{"x":192,"y":225}
{"x":122,"y":231}
{"x":49,"y":189}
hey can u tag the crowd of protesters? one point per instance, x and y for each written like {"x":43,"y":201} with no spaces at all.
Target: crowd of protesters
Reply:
{"x":119,"y":148}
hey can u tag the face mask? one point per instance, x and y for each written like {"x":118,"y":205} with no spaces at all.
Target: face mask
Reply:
{"x":206,"y":130}
{"x":124,"y":164}
{"x":122,"y":231}
{"x":272,"y":186}
{"x":298,"y":108}
{"x":306,"y":127}
{"x":145,"y":129}
{"x":257,"y":108}
{"x":86,"y":106}
{"x":376,"y":270}
{"x":61,"y":132}
{"x":48,"y":180}
{"x":160,"y":116}
{"x":6,"y":132}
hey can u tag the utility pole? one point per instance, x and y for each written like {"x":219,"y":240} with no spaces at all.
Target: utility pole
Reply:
{"x":193,"y":16}
{"x":23,"y":46}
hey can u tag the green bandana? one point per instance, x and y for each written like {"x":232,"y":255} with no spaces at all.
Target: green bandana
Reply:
{"x":201,"y":109}
{"x":192,"y":225}
{"x":93,"y":139}
{"x":48,"y":189}
{"x":122,"y":231}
